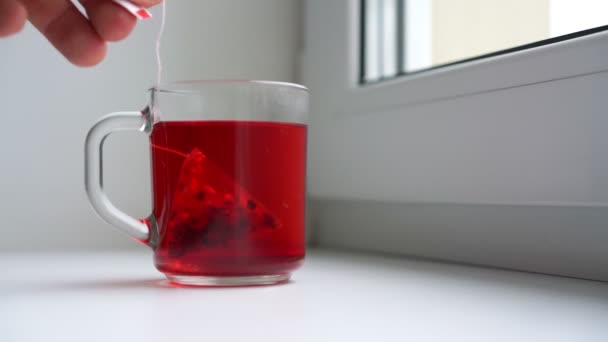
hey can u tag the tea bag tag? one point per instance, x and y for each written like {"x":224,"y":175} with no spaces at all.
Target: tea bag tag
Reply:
{"x":139,"y":12}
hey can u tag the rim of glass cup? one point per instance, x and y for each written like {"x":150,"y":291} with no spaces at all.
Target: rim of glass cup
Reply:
{"x":174,"y":87}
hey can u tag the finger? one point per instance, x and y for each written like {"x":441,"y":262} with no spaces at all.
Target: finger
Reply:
{"x":67,"y":29}
{"x":110,"y":20}
{"x":146,"y":3}
{"x":12,"y":17}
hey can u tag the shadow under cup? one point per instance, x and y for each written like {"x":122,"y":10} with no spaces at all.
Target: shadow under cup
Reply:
{"x":229,"y":181}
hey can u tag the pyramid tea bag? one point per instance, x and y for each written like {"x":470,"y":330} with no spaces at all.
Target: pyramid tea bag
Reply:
{"x":211,"y":209}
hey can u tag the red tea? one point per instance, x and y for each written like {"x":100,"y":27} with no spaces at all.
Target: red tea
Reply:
{"x":229,"y":197}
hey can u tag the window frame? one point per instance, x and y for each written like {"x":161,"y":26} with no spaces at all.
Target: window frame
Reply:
{"x":400,"y":48}
{"x":544,"y":62}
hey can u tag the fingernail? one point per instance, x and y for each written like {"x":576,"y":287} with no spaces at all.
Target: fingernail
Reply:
{"x":138,"y":12}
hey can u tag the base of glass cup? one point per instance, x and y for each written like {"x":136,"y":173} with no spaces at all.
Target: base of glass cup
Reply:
{"x":207,"y":281}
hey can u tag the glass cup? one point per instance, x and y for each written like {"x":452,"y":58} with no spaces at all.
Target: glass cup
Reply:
{"x":228,"y":165}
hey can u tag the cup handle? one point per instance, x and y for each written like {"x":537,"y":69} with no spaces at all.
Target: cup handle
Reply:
{"x":121,"y":121}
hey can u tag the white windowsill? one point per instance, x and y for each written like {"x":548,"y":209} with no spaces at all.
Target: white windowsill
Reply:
{"x":335,"y":297}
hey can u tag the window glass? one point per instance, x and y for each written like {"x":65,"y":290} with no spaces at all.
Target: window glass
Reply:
{"x":405,"y":36}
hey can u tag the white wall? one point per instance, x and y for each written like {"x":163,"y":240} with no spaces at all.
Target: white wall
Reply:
{"x":48,"y":105}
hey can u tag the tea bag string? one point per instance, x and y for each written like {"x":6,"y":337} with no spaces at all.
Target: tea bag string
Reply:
{"x":159,"y":63}
{"x":159,"y":70}
{"x":170,"y":150}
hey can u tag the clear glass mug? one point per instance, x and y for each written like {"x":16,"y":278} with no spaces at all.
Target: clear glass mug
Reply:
{"x":228,"y":162}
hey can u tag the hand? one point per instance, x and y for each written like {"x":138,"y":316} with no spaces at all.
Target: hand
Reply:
{"x":82,"y":41}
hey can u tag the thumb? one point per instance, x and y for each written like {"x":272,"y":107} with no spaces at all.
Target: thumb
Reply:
{"x":12,"y":17}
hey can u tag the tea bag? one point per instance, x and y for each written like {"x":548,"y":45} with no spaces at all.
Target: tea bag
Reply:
{"x":211,"y":209}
